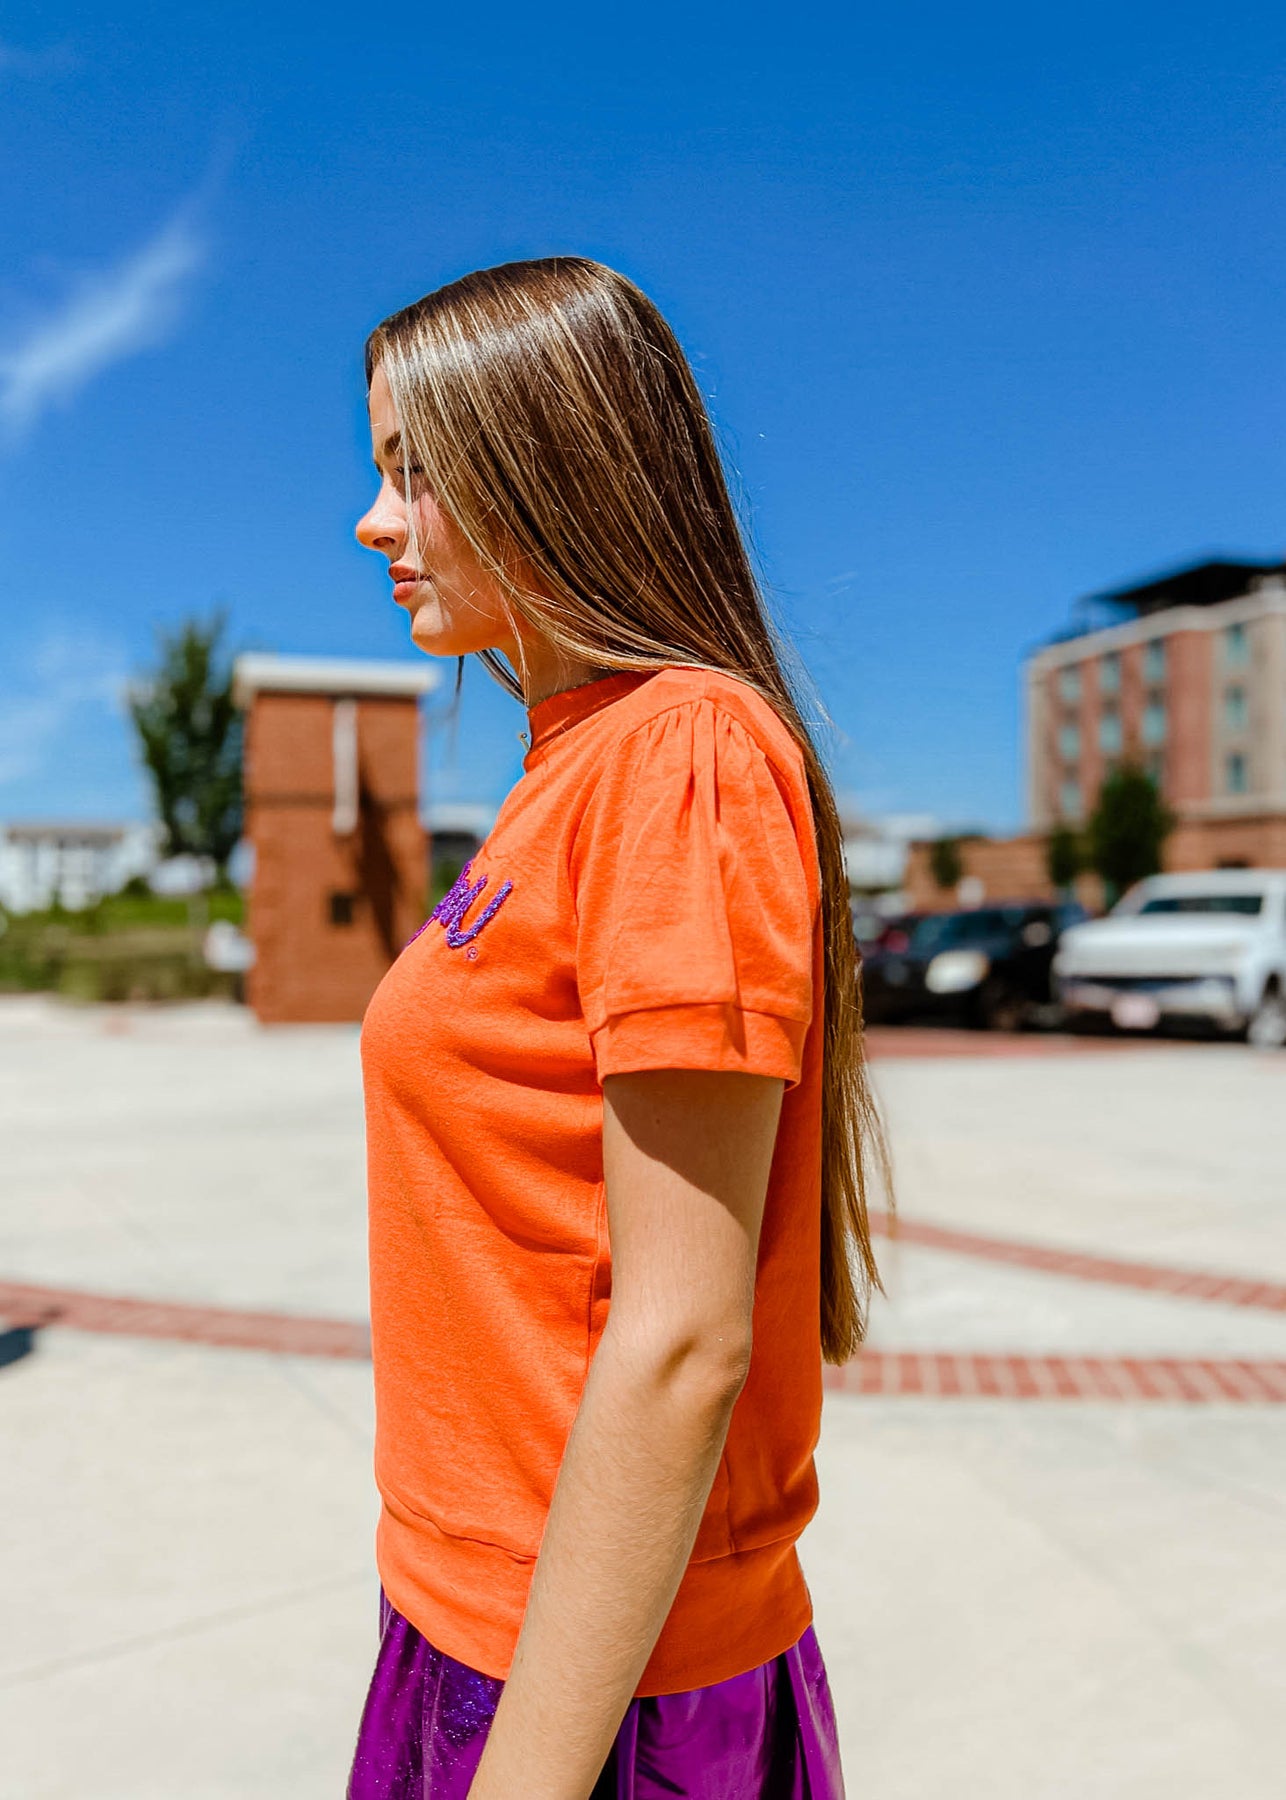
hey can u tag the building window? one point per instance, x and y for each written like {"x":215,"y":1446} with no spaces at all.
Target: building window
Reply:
{"x":1109,"y":734}
{"x":1235,"y":774}
{"x":1069,"y":742}
{"x":1154,"y":662}
{"x":342,"y":908}
{"x":1155,"y":766}
{"x":1234,"y":709}
{"x":1109,"y":673}
{"x":1154,"y":723}
{"x":1236,"y":645}
{"x":1069,"y":684}
{"x":1069,"y":799}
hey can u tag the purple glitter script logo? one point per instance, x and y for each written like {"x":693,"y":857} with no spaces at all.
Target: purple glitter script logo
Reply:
{"x":451,"y":909}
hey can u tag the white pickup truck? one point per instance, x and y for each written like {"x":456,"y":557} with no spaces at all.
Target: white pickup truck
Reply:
{"x":1202,"y":947}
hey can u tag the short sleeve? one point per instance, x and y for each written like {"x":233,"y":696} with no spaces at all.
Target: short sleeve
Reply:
{"x":694,"y":903}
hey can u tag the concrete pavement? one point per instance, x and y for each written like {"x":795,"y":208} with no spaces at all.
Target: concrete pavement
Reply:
{"x":1016,"y":1600}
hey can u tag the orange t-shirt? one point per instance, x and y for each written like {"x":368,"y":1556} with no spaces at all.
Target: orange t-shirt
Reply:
{"x":647,"y":899}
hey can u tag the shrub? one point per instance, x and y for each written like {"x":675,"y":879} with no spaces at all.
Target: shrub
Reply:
{"x":1126,"y":834}
{"x":946,"y":864}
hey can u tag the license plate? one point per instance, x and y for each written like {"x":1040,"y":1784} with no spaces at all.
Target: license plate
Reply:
{"x":1135,"y":1012}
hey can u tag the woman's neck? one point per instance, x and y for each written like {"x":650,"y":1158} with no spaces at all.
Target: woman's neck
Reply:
{"x":547,"y":678}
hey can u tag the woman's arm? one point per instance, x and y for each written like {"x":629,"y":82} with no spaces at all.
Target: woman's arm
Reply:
{"x":686,"y":1156}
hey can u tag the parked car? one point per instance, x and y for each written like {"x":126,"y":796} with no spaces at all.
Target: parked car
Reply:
{"x":1209,"y":948}
{"x":875,"y":930}
{"x":988,"y":966}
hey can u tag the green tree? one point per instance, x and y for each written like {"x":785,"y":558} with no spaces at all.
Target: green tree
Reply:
{"x":946,"y":864}
{"x":190,"y":738}
{"x":1126,"y":834}
{"x":1064,"y":856}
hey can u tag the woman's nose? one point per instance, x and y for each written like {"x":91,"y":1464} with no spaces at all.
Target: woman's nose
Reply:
{"x":382,"y":528}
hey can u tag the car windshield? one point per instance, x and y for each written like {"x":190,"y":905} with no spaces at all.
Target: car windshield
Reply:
{"x":956,"y":931}
{"x":1248,"y":905}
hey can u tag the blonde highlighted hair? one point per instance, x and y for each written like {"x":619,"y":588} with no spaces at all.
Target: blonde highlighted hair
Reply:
{"x":559,"y":427}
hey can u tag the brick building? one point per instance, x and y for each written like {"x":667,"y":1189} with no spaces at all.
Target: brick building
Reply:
{"x":332,"y":814}
{"x":1187,"y":676}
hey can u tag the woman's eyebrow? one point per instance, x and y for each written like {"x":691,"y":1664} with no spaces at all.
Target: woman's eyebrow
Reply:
{"x":391,"y":447}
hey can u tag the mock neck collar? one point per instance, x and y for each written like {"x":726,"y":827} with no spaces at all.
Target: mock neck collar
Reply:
{"x":550,"y":717}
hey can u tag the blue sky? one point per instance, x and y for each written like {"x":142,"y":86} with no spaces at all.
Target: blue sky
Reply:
{"x":989,"y":304}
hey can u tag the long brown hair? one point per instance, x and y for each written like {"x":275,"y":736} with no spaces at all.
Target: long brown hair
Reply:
{"x":559,"y":427}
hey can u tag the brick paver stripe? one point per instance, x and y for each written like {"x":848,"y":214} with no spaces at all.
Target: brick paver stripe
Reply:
{"x":224,"y":1327}
{"x":907,"y":1374}
{"x":932,"y":1374}
{"x":1151,"y":1278}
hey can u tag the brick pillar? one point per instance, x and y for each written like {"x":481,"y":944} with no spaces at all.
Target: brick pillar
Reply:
{"x":1132,"y":701}
{"x":1092,"y":762}
{"x":332,"y":813}
{"x":1190,"y":711}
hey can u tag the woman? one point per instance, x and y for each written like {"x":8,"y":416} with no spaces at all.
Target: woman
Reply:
{"x":615,"y":1100}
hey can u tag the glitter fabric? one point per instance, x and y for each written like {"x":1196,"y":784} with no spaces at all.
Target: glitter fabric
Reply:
{"x":455,"y":903}
{"x":766,"y":1735}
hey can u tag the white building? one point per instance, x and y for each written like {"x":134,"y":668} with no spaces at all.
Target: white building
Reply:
{"x":876,"y":849}
{"x":44,"y":861}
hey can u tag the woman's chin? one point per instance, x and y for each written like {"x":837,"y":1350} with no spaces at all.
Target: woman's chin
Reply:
{"x":436,"y":638}
{"x":427,"y":634}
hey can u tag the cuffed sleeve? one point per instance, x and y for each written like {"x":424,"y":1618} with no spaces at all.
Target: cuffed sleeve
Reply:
{"x":696,"y":903}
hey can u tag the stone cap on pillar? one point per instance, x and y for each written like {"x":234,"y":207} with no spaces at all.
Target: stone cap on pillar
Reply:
{"x":343,"y":677}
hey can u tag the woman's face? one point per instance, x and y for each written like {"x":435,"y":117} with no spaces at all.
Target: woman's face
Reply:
{"x":456,"y":605}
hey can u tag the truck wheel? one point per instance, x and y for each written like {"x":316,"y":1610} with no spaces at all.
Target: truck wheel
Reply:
{"x":1266,"y":1027}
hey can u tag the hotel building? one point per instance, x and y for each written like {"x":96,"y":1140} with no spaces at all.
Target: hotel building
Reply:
{"x":1185,"y":675}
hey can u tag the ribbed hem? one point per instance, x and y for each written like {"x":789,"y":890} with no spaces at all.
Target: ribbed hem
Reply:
{"x":731,"y":1613}
{"x":700,"y":1037}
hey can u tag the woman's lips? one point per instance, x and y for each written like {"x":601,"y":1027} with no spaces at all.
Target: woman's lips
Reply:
{"x":405,"y":581}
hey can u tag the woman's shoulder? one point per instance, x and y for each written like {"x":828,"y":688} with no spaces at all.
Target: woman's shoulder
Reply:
{"x":685,"y":687}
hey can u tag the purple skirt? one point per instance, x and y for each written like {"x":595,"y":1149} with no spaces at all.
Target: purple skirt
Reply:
{"x":766,"y":1735}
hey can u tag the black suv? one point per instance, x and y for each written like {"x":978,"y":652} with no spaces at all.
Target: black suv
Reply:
{"x":988,"y":966}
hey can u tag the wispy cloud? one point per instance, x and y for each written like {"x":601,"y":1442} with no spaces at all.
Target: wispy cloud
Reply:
{"x":48,"y":693}
{"x":102,"y":319}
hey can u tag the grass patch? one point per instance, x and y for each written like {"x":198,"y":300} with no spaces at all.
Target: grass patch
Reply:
{"x":126,"y":947}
